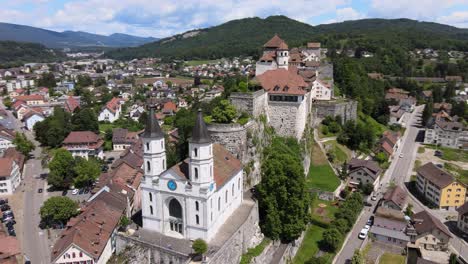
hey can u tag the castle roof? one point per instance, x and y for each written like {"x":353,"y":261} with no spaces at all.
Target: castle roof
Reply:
{"x":276,"y":42}
{"x":282,"y":81}
{"x":152,"y":130}
{"x":225,"y":166}
{"x":200,"y":133}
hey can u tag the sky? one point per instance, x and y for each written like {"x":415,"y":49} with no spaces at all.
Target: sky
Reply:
{"x":158,"y":18}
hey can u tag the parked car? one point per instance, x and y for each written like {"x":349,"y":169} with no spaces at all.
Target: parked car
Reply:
{"x":440,"y":166}
{"x":438,"y":153}
{"x":12,"y":233}
{"x":75,"y":191}
{"x":5,"y":207}
{"x":3,"y":201}
{"x":370,"y":222}
{"x":64,"y":193}
{"x":81,"y":191}
{"x":6,"y":219}
{"x":363,"y":233}
{"x":401,"y":155}
{"x":374,"y":198}
{"x":367,"y":203}
{"x":39,"y":190}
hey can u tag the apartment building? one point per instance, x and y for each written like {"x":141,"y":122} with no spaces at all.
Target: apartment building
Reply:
{"x":440,"y":187}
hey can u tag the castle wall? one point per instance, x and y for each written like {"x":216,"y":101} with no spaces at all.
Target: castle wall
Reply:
{"x":254,"y":103}
{"x":346,"y":109}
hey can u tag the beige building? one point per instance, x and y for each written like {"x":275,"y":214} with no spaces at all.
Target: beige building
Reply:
{"x":431,"y":234}
{"x":462,"y":221}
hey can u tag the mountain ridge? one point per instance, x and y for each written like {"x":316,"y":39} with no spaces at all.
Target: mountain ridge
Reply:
{"x":68,"y":38}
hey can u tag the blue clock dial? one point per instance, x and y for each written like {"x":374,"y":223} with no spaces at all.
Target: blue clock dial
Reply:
{"x":172,"y":185}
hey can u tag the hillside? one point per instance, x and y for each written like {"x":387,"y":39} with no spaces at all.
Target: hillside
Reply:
{"x":53,"y":39}
{"x":16,"y":53}
{"x":246,"y":36}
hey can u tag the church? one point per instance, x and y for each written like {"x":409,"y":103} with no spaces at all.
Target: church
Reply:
{"x":195,"y":197}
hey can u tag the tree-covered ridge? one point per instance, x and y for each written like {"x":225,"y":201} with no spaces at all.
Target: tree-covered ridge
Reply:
{"x":246,"y":37}
{"x":16,"y":53}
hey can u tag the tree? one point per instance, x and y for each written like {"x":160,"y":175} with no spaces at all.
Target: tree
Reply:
{"x":331,"y":239}
{"x":381,"y":157}
{"x":224,"y":113}
{"x":200,"y":246}
{"x":23,"y":144}
{"x":86,"y":171}
{"x":85,"y":120}
{"x":7,"y":102}
{"x":317,"y":260}
{"x":344,"y":171}
{"x":47,"y":80}
{"x":108,"y":134}
{"x":58,"y":209}
{"x":409,"y":210}
{"x":61,"y":169}
{"x":357,"y":257}
{"x":366,"y":188}
{"x":427,"y":113}
{"x":341,"y":225}
{"x":124,"y":221}
{"x":53,"y":130}
{"x":282,"y":195}
{"x":453,"y":259}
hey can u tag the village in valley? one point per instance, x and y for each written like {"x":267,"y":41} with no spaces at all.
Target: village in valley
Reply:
{"x":277,"y":157}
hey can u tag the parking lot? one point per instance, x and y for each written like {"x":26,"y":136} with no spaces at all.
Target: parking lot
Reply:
{"x":7,"y":217}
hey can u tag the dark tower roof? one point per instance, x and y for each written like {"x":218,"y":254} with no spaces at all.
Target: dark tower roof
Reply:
{"x":200,"y":133}
{"x":152,"y":129}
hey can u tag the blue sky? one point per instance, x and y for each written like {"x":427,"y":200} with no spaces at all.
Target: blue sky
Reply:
{"x":164,"y":18}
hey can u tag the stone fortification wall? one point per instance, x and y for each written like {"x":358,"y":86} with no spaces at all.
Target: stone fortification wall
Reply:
{"x":346,"y":109}
{"x":254,"y":103}
{"x":283,"y":117}
{"x":247,"y":235}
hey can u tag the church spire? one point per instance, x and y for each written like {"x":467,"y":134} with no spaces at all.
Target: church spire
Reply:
{"x":200,"y":133}
{"x":152,"y":129}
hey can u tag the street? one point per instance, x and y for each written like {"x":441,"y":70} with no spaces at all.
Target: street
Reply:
{"x":34,"y":241}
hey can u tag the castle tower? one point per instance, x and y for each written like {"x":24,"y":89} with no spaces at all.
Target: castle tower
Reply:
{"x":282,"y":55}
{"x":154,"y":149}
{"x":201,"y":154}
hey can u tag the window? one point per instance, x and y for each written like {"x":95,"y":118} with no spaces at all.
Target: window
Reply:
{"x":219,"y":203}
{"x":225,"y":196}
{"x":210,"y":149}
{"x":147,"y":145}
{"x":73,"y":255}
{"x":150,"y":197}
{"x":196,"y":173}
{"x":197,"y":218}
{"x":195,"y":152}
{"x":81,"y":254}
{"x":162,"y":145}
{"x":151,"y":209}
{"x":232,"y":189}
{"x":164,"y":164}
{"x":238,"y":184}
{"x":148,"y":166}
{"x":196,"y":205}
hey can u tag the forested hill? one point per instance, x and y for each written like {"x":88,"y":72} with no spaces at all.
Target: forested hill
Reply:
{"x":246,"y":37}
{"x":16,"y":53}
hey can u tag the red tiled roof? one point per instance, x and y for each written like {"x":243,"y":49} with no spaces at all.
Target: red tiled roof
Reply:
{"x":14,"y":154}
{"x":7,"y":133}
{"x":282,"y":81}
{"x":91,"y":230}
{"x":76,"y":137}
{"x":225,"y":166}
{"x":32,"y":97}
{"x":269,"y":56}
{"x":113,"y":104}
{"x":275,"y":42}
{"x":169,"y":107}
{"x":71,"y":104}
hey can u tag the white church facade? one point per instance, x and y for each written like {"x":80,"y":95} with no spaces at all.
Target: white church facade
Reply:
{"x":195,"y":197}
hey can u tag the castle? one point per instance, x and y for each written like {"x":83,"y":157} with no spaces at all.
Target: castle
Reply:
{"x":291,"y":81}
{"x":195,"y":197}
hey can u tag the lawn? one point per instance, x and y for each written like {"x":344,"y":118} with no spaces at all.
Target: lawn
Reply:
{"x":340,"y":152}
{"x":457,"y":171}
{"x":321,"y":176}
{"x":309,"y":246}
{"x":328,"y":213}
{"x":388,"y":258}
{"x":452,"y":154}
{"x":421,"y":150}
{"x":104,"y":126}
{"x":254,"y":252}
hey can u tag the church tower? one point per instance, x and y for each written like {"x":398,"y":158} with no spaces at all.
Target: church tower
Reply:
{"x":282,"y":55}
{"x":201,"y":154}
{"x":154,"y":149}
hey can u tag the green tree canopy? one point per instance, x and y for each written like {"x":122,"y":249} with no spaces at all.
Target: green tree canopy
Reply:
{"x":47,"y":80}
{"x":224,"y":113}
{"x":283,"y":199}
{"x":200,"y":246}
{"x":23,"y":144}
{"x":61,"y":169}
{"x":58,"y":209}
{"x":85,"y":119}
{"x":331,"y":239}
{"x":357,"y":257}
{"x":86,"y":171}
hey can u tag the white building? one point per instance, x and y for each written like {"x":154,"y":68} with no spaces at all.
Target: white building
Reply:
{"x":321,"y":90}
{"x":31,"y":118}
{"x":84,"y":144}
{"x":111,"y":111}
{"x":6,"y":138}
{"x":196,"y":196}
{"x":10,"y":176}
{"x":275,"y":56}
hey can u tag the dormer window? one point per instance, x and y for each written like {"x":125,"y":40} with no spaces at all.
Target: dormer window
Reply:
{"x":276,"y":88}
{"x":286,"y":88}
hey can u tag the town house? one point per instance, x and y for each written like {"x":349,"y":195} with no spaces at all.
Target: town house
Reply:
{"x":84,"y":144}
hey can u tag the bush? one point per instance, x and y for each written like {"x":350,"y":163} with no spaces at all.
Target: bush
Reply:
{"x":332,"y":239}
{"x":199,"y":246}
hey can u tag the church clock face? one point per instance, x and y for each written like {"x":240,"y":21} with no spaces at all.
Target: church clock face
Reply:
{"x":172,"y":185}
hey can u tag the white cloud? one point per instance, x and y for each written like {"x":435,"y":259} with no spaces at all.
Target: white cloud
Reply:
{"x":458,"y":19}
{"x":345,"y":14}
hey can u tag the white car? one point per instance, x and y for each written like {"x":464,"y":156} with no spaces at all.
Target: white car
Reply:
{"x":374,"y":198}
{"x":401,"y":155}
{"x":363,"y":233}
{"x":75,"y":191}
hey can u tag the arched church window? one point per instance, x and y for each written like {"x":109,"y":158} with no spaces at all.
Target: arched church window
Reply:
{"x":197,"y":218}
{"x":148,"y":166}
{"x":225,"y":196}
{"x":196,"y":205}
{"x":195,"y":152}
{"x":219,"y":203}
{"x":151,"y":209}
{"x":150,"y":197}
{"x":147,"y":145}
{"x":196,"y":173}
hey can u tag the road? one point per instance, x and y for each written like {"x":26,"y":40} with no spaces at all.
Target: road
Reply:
{"x":35,"y":244}
{"x":397,"y":172}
